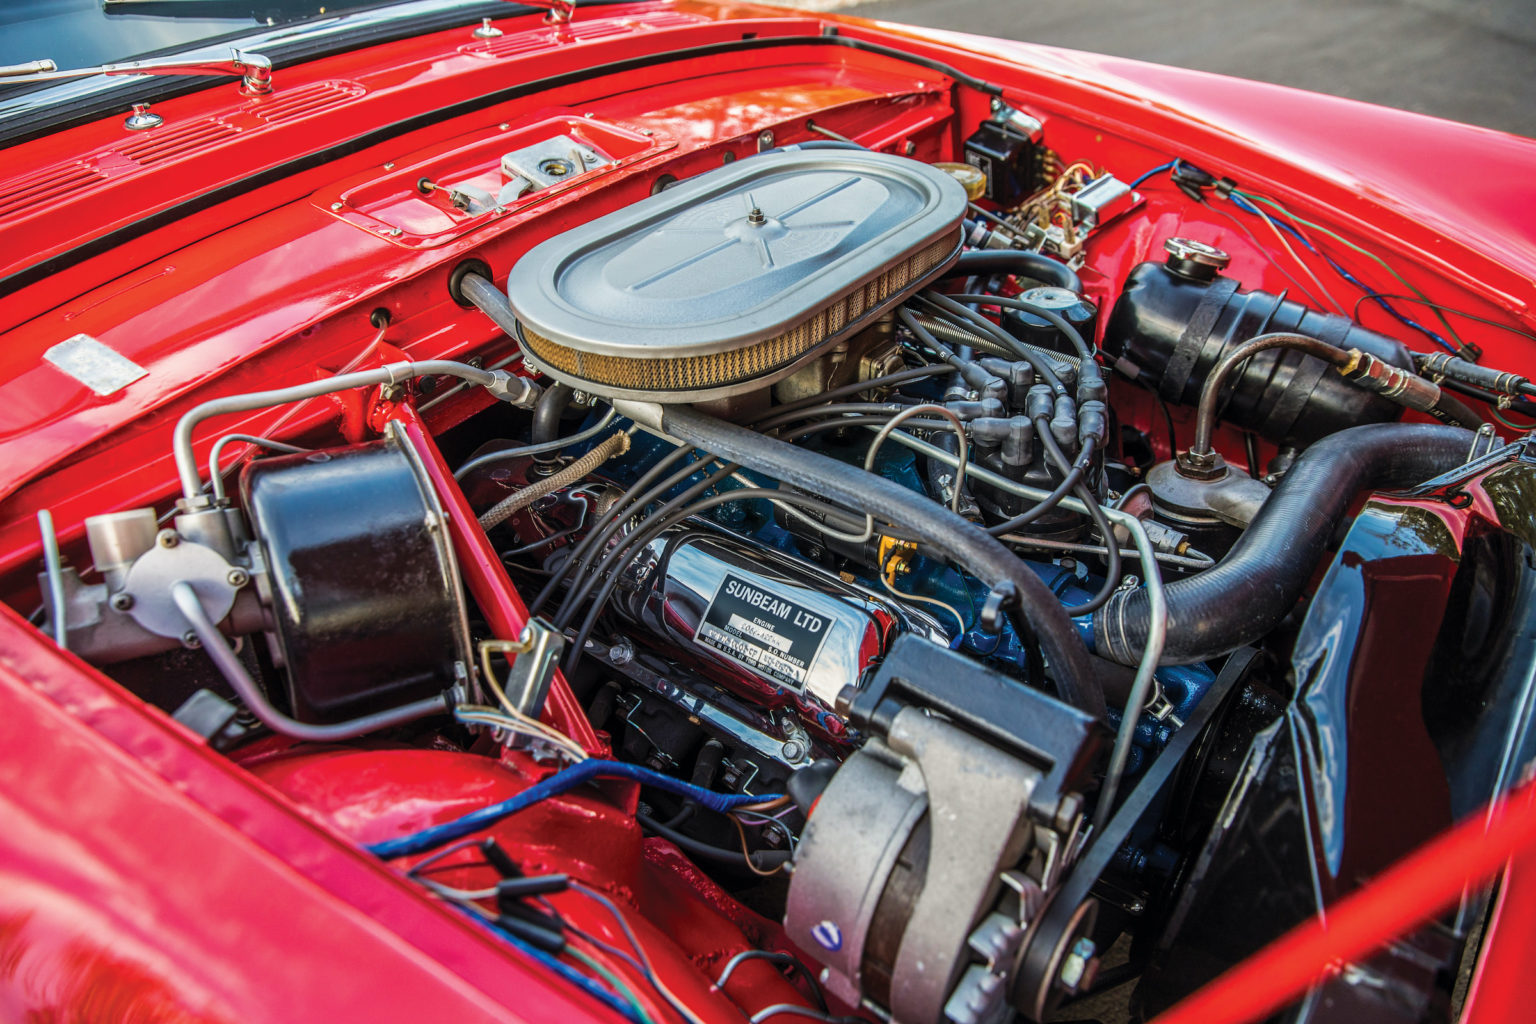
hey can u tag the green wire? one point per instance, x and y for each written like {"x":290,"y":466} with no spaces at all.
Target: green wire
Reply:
{"x":613,"y":981}
{"x":1364,"y":252}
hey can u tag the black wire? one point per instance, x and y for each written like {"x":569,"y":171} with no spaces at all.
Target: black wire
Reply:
{"x":610,"y":522}
{"x":1054,"y":318}
{"x":619,"y":556}
{"x":660,"y":521}
{"x":953,"y":309}
{"x":765,"y":859}
{"x":1070,"y":479}
{"x":1111,"y":543}
{"x":775,"y":957}
{"x":1520,"y":405}
{"x":579,"y":554}
{"x":1251,"y":450}
{"x":926,"y":338}
{"x":899,"y":377}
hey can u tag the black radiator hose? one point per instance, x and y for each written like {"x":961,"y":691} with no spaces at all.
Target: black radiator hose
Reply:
{"x":1016,"y":261}
{"x":957,"y":539}
{"x":1259,"y":581}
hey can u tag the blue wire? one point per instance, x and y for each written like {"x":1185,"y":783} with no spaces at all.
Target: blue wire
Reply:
{"x":560,"y":967}
{"x":1159,"y":169}
{"x":474,"y":821}
{"x":1247,"y":207}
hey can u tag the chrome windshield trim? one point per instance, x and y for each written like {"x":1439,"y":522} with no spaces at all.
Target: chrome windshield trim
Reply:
{"x":70,"y":93}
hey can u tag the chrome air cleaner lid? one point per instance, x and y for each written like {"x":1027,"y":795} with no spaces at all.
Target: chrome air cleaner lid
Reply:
{"x":728,"y":281}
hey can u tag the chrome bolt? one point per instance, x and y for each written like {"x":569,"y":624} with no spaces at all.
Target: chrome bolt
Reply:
{"x":142,"y":118}
{"x":486,"y":30}
{"x":189,"y":639}
{"x":622,"y":652}
{"x":123,"y":601}
{"x":338,"y":207}
{"x":764,"y":140}
{"x":396,"y":232}
{"x":168,"y":538}
{"x":238,"y":578}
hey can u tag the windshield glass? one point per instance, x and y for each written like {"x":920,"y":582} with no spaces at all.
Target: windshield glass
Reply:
{"x":85,"y":33}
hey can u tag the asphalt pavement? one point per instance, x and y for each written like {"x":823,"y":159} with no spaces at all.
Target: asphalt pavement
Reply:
{"x":1466,"y":60}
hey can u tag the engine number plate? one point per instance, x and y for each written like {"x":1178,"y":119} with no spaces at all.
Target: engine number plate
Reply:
{"x":762,"y":631}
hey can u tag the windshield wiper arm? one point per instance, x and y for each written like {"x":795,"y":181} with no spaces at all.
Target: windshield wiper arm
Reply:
{"x":253,"y":70}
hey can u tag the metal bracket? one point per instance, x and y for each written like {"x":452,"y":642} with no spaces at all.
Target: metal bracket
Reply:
{"x":537,"y":652}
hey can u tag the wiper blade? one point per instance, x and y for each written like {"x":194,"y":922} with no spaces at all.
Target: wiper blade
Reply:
{"x":253,"y":70}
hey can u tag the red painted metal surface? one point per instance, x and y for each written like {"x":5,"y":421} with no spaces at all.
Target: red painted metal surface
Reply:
{"x":687,"y":926}
{"x":139,"y":871}
{"x":269,"y":288}
{"x":499,"y":601}
{"x":1410,"y":893}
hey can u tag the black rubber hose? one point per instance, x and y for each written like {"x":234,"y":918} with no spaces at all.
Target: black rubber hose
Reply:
{"x":1016,"y":261}
{"x":546,"y":420}
{"x":1259,"y":581}
{"x":956,"y":539}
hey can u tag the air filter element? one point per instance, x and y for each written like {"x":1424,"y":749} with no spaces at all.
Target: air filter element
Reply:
{"x":728,"y":281}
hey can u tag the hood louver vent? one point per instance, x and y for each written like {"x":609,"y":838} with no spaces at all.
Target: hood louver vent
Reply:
{"x":56,"y":185}
{"x":305,"y":101}
{"x":175,"y":141}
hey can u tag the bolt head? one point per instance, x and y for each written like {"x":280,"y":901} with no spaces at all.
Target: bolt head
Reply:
{"x":238,"y":577}
{"x":1201,"y":465}
{"x":122,"y":601}
{"x":189,"y":639}
{"x":337,"y":207}
{"x":168,"y":538}
{"x":622,"y":652}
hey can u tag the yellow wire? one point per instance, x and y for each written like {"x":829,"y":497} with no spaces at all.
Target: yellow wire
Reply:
{"x":548,"y":732}
{"x":888,"y":573}
{"x":747,"y":850}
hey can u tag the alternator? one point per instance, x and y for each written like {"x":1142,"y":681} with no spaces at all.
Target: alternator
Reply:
{"x":932,"y":850}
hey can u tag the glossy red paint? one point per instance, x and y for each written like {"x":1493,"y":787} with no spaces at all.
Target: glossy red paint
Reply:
{"x":139,"y":871}
{"x":1409,"y":894}
{"x":687,"y":926}
{"x":487,"y":580}
{"x":269,"y":286}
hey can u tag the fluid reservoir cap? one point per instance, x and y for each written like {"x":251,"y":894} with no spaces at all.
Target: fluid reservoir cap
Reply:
{"x":1037,"y":330}
{"x":972,"y":178}
{"x":1195,"y":260}
{"x":1052,"y":298}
